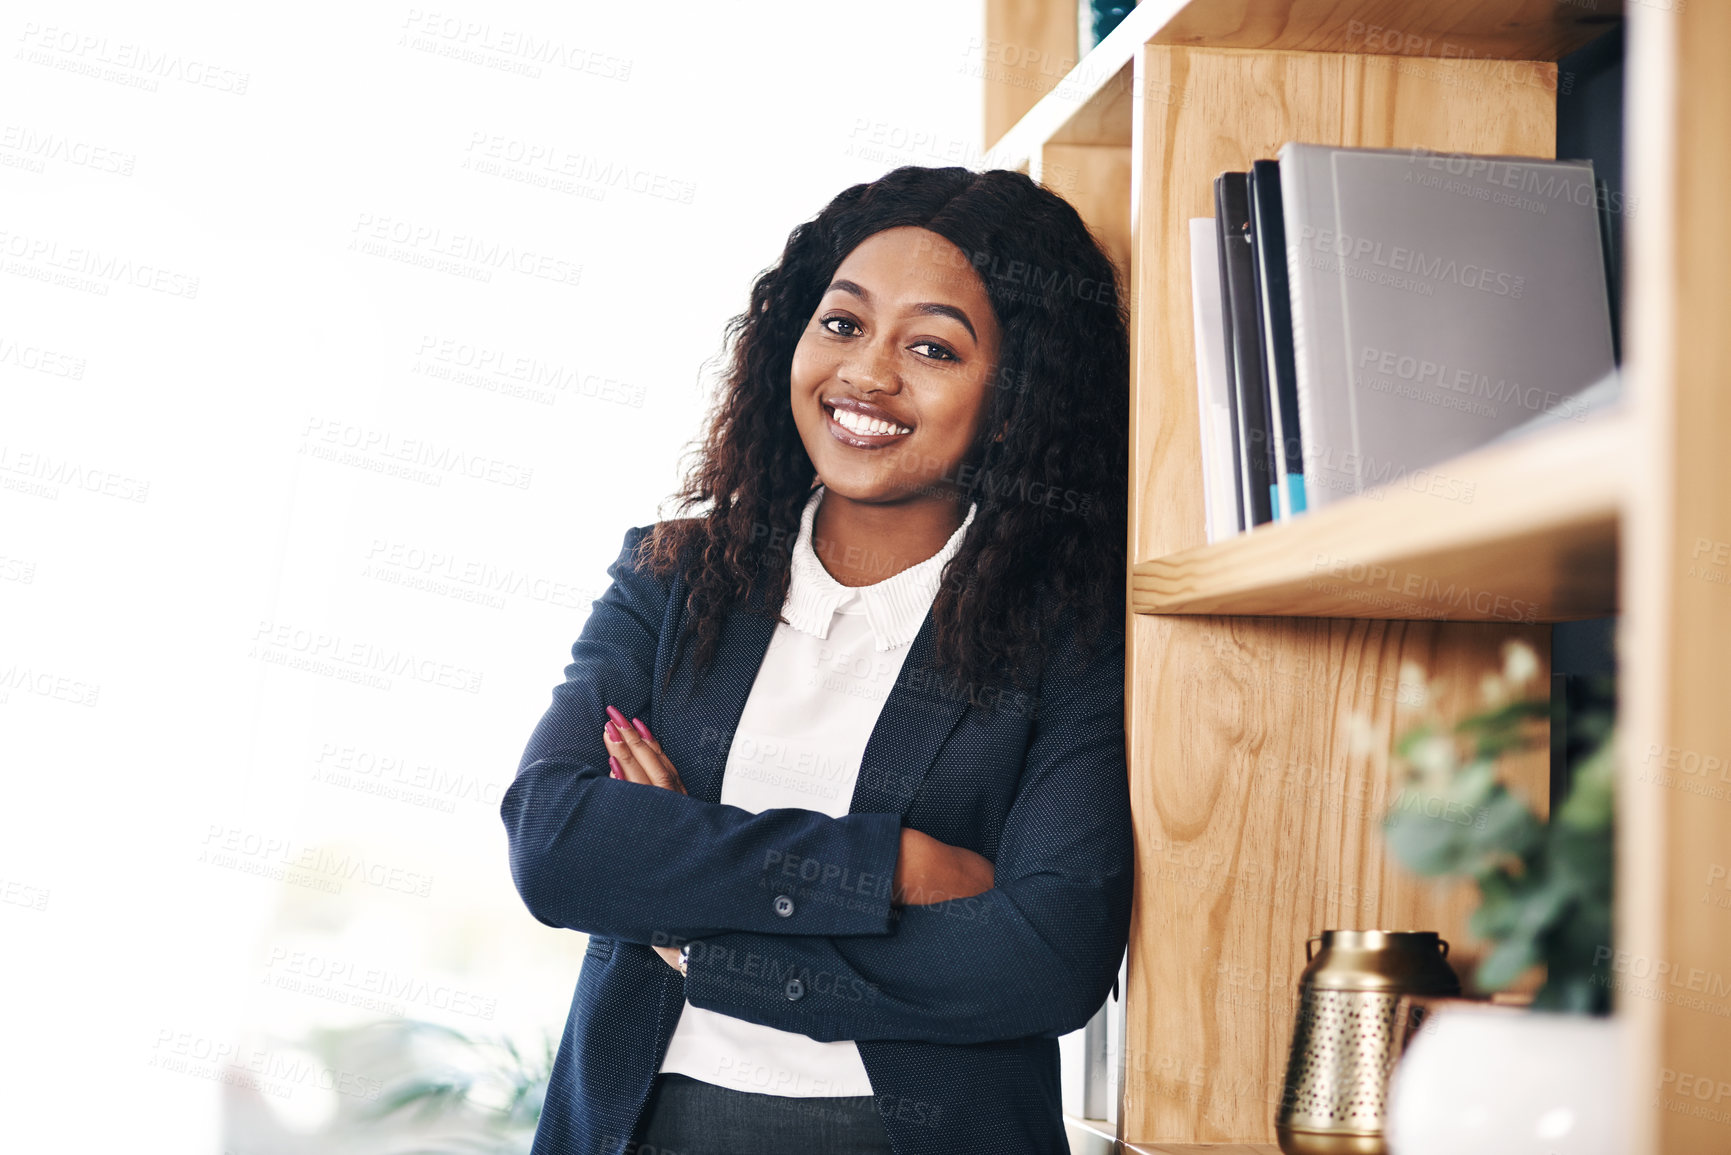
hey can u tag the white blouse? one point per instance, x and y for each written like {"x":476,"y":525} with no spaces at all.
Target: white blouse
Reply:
{"x":817,"y":697}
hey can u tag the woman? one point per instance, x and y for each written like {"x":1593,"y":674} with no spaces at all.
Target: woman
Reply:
{"x":863,"y":849}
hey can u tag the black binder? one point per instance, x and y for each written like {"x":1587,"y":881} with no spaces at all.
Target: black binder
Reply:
{"x":1252,"y":442}
{"x":1274,"y":314}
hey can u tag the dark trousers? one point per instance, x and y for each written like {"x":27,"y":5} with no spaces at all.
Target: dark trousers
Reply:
{"x":686,"y":1116}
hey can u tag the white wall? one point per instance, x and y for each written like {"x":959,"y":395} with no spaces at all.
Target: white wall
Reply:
{"x":251,"y":299}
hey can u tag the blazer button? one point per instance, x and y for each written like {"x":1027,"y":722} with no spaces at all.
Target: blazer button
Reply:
{"x":783,"y":905}
{"x":795,"y":989}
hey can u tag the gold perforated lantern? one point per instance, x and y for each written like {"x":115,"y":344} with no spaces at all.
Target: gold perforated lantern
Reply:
{"x":1349,"y":1032}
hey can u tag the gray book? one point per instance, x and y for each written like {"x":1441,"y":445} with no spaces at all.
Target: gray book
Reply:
{"x":1438,"y":301}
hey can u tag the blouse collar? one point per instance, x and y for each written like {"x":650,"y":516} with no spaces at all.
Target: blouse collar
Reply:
{"x":895,"y":607}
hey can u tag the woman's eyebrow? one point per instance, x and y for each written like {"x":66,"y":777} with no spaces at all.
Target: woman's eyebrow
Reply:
{"x":934,"y":308}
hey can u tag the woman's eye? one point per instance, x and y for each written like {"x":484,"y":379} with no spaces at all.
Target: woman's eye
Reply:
{"x":830,"y":322}
{"x":939,"y":353}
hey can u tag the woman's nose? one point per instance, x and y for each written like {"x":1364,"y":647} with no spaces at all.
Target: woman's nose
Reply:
{"x":871,"y":365}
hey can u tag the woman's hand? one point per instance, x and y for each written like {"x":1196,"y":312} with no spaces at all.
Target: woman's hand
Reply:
{"x":929,"y":871}
{"x":636,"y":756}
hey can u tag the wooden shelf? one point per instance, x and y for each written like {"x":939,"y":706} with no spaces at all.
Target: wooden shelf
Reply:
{"x":1201,"y":1149}
{"x":1093,"y":103}
{"x":1514,"y":30}
{"x":1536,"y":542}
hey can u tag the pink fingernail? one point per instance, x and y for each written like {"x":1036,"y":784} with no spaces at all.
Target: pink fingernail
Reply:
{"x":643,"y":730}
{"x":618,"y":718}
{"x":613,"y":734}
{"x":614,"y":762}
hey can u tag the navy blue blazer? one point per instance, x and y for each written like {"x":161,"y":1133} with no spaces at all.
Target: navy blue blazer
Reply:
{"x":956,"y":1007}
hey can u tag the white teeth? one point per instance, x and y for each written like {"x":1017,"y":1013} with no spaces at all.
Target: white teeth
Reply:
{"x":860,"y":423}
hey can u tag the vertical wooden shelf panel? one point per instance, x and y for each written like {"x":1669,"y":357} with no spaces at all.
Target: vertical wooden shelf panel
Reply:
{"x":1674,"y":805}
{"x":1096,"y":179}
{"x":1256,"y":792}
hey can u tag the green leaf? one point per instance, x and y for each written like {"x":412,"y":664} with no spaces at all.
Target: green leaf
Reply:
{"x":1503,"y":826}
{"x":1545,"y":888}
{"x":1404,"y":744}
{"x":1508,"y":961}
{"x":1499,"y":910}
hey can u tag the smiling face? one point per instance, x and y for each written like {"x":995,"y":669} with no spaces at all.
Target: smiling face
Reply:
{"x":889,"y":377}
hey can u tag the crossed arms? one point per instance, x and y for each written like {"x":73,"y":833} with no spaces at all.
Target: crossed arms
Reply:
{"x":1034,"y":955}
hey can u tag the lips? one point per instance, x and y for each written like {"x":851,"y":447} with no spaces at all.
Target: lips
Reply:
{"x":861,"y":426}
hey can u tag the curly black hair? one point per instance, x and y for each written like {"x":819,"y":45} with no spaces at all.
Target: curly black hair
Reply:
{"x":1049,"y":538}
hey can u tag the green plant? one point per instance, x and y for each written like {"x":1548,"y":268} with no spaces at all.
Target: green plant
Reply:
{"x":1544,"y":887}
{"x":484,"y":1090}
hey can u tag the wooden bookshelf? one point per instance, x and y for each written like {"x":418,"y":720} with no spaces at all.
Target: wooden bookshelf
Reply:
{"x":1251,"y":686}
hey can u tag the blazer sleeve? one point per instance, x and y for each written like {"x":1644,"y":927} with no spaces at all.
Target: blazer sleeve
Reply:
{"x":593,"y":853}
{"x":1035,"y":955}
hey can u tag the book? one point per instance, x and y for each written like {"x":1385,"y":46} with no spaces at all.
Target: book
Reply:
{"x":1274,"y":314}
{"x":1438,"y":300}
{"x":1249,"y":391}
{"x":1213,"y":404}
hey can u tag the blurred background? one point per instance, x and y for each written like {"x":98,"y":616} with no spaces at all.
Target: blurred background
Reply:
{"x":339,"y":347}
